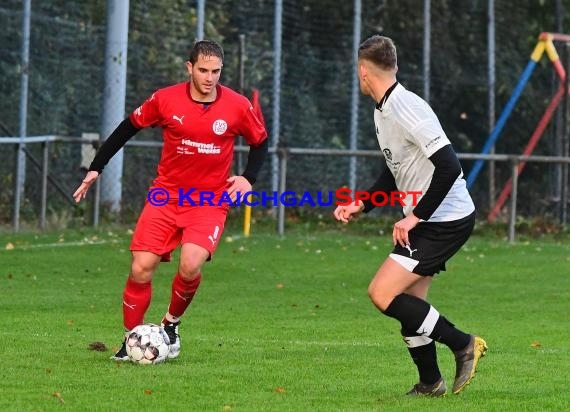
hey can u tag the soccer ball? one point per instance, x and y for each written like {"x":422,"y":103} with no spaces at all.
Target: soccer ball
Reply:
{"x":147,"y":344}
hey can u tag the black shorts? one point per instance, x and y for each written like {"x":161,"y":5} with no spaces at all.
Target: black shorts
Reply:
{"x":432,"y":244}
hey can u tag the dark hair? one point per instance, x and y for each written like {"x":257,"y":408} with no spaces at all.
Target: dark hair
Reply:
{"x":205,"y":48}
{"x":379,"y":50}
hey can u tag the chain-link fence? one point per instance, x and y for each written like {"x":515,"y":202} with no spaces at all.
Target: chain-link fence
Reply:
{"x":66,"y":80}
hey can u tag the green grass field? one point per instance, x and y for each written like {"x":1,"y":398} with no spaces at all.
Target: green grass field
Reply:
{"x":279,"y":324}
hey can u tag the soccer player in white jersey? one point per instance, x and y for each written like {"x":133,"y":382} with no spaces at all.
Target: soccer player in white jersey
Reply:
{"x":419,"y":157}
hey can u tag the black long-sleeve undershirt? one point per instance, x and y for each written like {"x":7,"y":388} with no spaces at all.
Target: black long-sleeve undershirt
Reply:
{"x":385,"y":183}
{"x":447,"y":169}
{"x":120,"y":136}
{"x":255,"y":159}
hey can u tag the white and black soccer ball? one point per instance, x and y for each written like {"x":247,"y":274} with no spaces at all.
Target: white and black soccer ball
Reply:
{"x":147,"y":344}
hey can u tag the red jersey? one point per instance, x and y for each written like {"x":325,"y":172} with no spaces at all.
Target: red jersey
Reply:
{"x":198,"y":139}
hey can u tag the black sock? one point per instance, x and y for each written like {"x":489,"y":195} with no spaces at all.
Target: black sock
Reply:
{"x":417,"y":315}
{"x":445,"y":332}
{"x":423,"y":352}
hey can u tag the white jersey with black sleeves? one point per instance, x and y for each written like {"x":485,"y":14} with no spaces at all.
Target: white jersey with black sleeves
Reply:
{"x":409,"y":132}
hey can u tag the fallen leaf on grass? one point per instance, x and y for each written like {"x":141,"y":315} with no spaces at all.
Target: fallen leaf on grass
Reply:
{"x":280,"y":390}
{"x":536,"y":344}
{"x":58,"y":396}
{"x":148,"y":392}
{"x":98,"y":346}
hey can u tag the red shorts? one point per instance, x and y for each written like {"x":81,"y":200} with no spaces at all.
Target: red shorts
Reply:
{"x":160,"y":229}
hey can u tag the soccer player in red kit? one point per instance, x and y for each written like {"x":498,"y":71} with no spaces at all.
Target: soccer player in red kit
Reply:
{"x":200,"y":120}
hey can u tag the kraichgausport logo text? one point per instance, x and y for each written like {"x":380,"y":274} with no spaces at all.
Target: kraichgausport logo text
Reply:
{"x":341,"y":197}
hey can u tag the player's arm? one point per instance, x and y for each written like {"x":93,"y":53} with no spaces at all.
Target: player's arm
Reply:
{"x":385,"y":183}
{"x":122,"y":133}
{"x":243,"y":183}
{"x":253,"y":130}
{"x":255,"y":159}
{"x":447,"y":170}
{"x":120,"y":136}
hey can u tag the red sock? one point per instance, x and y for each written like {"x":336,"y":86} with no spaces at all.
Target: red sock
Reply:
{"x":136,"y":299}
{"x":182,"y":293}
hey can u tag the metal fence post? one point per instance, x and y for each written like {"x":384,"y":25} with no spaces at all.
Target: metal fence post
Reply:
{"x":282,"y":153}
{"x":114,"y":95}
{"x":43,"y":208}
{"x":277,"y":61}
{"x":565,"y":144}
{"x":96,"y":202}
{"x":20,"y":172}
{"x":354,"y":93}
{"x":513,"y":204}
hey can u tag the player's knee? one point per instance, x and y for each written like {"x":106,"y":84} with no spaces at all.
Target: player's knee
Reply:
{"x":140,"y":272}
{"x":376,"y":295}
{"x":189,"y":269}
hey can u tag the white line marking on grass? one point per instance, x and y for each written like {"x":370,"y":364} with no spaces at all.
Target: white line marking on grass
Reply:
{"x":306,"y":343}
{"x":349,"y":343}
{"x":60,"y":244}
